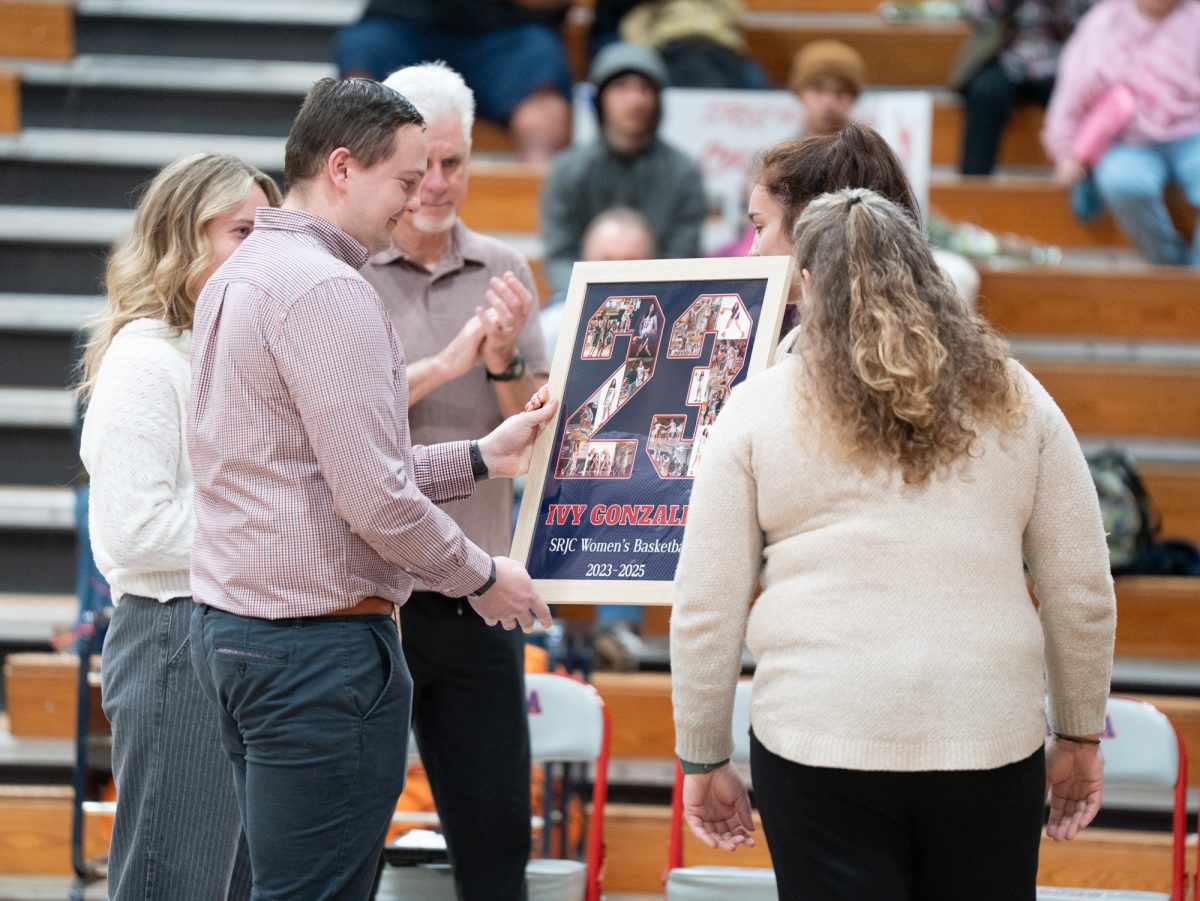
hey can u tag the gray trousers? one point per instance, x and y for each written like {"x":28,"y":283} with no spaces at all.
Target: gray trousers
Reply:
{"x":314,"y":715}
{"x":178,"y":834}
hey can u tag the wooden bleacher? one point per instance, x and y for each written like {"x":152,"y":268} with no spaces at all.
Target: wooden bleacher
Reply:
{"x":1152,"y":304}
{"x":37,"y":30}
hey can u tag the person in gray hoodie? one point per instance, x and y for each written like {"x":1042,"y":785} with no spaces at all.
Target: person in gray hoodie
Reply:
{"x":627,"y":165}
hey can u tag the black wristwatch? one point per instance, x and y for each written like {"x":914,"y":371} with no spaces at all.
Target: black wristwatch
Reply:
{"x":516,"y":369}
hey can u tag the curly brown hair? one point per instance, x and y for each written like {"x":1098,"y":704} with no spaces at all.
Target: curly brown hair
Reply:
{"x":895,"y":356}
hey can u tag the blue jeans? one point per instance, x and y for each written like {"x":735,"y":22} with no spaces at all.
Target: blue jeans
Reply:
{"x":314,"y":715}
{"x":608,"y":615}
{"x":1131,"y":181}
{"x":502,"y":67}
{"x":90,"y":588}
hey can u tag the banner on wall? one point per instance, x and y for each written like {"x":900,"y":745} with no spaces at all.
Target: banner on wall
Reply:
{"x":723,"y":130}
{"x":647,"y":356}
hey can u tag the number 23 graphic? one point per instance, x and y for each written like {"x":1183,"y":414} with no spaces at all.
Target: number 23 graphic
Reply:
{"x":583,"y":454}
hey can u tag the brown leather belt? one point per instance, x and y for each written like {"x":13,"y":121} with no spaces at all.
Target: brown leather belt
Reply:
{"x":371,"y":606}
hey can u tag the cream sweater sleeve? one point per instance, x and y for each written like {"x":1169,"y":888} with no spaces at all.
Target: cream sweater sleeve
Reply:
{"x":714,"y":584}
{"x":1067,"y":554}
{"x":140,"y":515}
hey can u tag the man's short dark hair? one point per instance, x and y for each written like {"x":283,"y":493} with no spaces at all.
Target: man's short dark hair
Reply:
{"x":359,"y":114}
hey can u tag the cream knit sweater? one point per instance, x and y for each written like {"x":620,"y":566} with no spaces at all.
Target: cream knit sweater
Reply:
{"x":894,"y":630}
{"x":140,"y":514}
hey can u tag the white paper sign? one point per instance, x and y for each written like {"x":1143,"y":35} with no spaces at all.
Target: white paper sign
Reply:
{"x":723,"y":130}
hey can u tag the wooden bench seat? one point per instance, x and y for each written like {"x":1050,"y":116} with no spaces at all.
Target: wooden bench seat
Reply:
{"x":1152,"y":304}
{"x":37,"y":30}
{"x":1175,"y":489}
{"x":1125,"y":398}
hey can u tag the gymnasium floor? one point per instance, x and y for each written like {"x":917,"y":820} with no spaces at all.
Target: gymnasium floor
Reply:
{"x":55,"y":888}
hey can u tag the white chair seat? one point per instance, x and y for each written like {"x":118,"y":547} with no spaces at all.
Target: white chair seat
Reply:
{"x":721,"y":884}
{"x":1096,"y":894}
{"x":556,"y":880}
{"x":548,"y":880}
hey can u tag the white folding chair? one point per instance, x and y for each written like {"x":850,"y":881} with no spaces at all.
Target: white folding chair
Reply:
{"x":1140,"y":748}
{"x":711,"y":883}
{"x":568,"y":724}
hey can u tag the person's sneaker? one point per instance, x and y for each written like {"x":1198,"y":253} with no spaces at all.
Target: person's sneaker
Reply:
{"x":617,"y":648}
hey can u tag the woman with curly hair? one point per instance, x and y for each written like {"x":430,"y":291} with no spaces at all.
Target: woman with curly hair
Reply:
{"x":886,"y":484}
{"x":177,"y":827}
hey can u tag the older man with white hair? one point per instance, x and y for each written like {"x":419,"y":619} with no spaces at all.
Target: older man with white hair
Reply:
{"x":460,"y":303}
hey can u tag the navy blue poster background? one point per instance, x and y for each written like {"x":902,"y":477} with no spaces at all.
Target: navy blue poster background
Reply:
{"x":633,"y":424}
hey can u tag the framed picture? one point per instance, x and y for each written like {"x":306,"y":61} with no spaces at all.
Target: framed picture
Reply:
{"x":648,"y":353}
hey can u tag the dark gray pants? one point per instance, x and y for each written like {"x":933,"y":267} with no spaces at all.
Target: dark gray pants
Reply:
{"x":469,"y":681}
{"x":314,"y":715}
{"x":177,"y":827}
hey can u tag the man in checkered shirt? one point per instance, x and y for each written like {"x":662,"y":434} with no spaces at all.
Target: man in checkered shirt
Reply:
{"x":314,"y":512}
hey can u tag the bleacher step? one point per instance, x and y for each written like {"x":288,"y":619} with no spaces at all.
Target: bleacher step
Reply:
{"x":34,"y":619}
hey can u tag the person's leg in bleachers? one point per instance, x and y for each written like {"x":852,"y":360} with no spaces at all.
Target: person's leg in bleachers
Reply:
{"x":472,"y":729}
{"x":1184,"y":156}
{"x":989,"y":96}
{"x":1131,"y":181}
{"x":376,"y":46}
{"x":522,"y":80}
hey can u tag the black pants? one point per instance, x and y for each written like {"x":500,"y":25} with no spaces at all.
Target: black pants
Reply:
{"x":990,"y":97}
{"x":471,"y":726}
{"x":846,"y":835}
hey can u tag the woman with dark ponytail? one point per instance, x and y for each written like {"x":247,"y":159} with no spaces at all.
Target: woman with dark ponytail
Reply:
{"x":886,"y":484}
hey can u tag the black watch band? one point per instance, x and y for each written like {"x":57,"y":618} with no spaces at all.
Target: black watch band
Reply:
{"x":514,"y":370}
{"x":479,"y":468}
{"x":488,"y":584}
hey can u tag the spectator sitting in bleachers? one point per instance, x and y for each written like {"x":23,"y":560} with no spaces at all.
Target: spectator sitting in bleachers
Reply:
{"x":1021,"y":71}
{"x":626,"y":165}
{"x":511,"y":54}
{"x":828,"y":78}
{"x":1128,"y":104}
{"x":702,"y":42}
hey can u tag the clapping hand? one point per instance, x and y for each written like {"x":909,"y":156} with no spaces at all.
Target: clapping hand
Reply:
{"x":509,"y":305}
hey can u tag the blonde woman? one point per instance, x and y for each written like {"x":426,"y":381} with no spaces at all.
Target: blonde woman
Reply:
{"x":177,"y":826}
{"x":885,"y":483}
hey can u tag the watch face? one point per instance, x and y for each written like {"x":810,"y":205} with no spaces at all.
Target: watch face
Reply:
{"x":516,"y":368}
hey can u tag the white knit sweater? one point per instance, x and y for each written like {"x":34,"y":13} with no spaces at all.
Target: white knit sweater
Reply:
{"x":133,"y":446}
{"x":894,"y":630}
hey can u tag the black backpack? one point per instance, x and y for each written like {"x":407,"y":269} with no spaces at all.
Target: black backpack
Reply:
{"x":1131,"y":521}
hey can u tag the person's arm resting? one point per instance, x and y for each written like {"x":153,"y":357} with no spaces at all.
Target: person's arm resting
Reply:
{"x":1067,"y":554}
{"x":140,"y":517}
{"x":714,"y":584}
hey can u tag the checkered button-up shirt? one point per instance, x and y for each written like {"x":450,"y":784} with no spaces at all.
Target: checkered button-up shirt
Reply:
{"x":309,"y":495}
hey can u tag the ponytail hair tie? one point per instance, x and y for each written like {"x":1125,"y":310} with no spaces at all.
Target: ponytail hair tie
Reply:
{"x":854,"y":198}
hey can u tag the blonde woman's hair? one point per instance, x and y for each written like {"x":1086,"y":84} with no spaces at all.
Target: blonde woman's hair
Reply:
{"x":155,"y":271}
{"x":896,"y":357}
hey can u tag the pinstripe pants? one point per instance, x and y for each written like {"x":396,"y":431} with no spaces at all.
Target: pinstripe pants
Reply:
{"x":178,"y":834}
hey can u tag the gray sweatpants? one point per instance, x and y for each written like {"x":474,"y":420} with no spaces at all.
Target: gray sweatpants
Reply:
{"x":178,"y":833}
